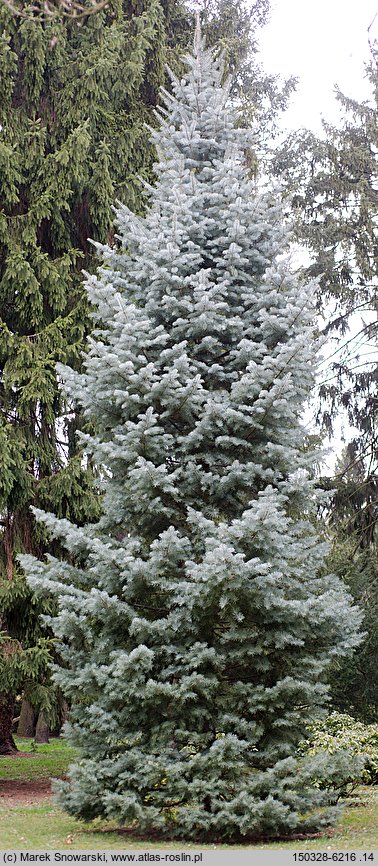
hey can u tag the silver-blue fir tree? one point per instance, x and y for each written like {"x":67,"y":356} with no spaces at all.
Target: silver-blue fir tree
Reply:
{"x":195,"y":619}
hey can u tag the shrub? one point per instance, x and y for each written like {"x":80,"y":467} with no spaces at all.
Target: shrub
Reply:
{"x":344,"y":738}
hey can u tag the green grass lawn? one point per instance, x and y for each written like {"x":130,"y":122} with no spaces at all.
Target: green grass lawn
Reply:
{"x":44,"y":826}
{"x":47,"y":761}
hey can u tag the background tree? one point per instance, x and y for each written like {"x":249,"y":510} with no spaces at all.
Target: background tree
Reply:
{"x":353,"y":528}
{"x":195,"y":622}
{"x":335,"y":199}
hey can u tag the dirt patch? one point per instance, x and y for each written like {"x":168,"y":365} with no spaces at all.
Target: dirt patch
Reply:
{"x":22,"y":791}
{"x":19,"y":755}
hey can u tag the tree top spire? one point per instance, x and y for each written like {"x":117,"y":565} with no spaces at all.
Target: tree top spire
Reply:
{"x":197,"y":34}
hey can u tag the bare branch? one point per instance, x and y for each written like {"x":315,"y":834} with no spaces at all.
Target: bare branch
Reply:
{"x":369,"y":35}
{"x":46,"y":10}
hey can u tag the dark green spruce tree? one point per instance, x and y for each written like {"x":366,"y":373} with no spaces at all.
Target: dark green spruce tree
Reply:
{"x":353,"y":524}
{"x":74,"y":101}
{"x":335,"y":197}
{"x":195,"y":618}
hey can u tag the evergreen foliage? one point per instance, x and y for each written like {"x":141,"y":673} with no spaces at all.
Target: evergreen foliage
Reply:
{"x":352,"y":521}
{"x":195,"y":622}
{"x":74,"y":100}
{"x":333,"y":181}
{"x":233,"y":26}
{"x":335,"y":198}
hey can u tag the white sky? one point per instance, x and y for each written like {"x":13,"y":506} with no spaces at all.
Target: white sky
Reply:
{"x":323,"y":42}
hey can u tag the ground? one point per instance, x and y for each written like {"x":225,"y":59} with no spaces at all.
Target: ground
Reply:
{"x":30,"y":820}
{"x":16,"y":791}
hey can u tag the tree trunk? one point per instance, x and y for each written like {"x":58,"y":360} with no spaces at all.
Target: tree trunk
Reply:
{"x":7,"y":743}
{"x":42,"y":729}
{"x":8,"y":538}
{"x":65,"y":711}
{"x":27,"y":719}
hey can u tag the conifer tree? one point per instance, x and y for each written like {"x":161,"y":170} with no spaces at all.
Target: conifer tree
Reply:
{"x":353,"y":555}
{"x":335,"y":198}
{"x":333,"y":184}
{"x":195,"y":622}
